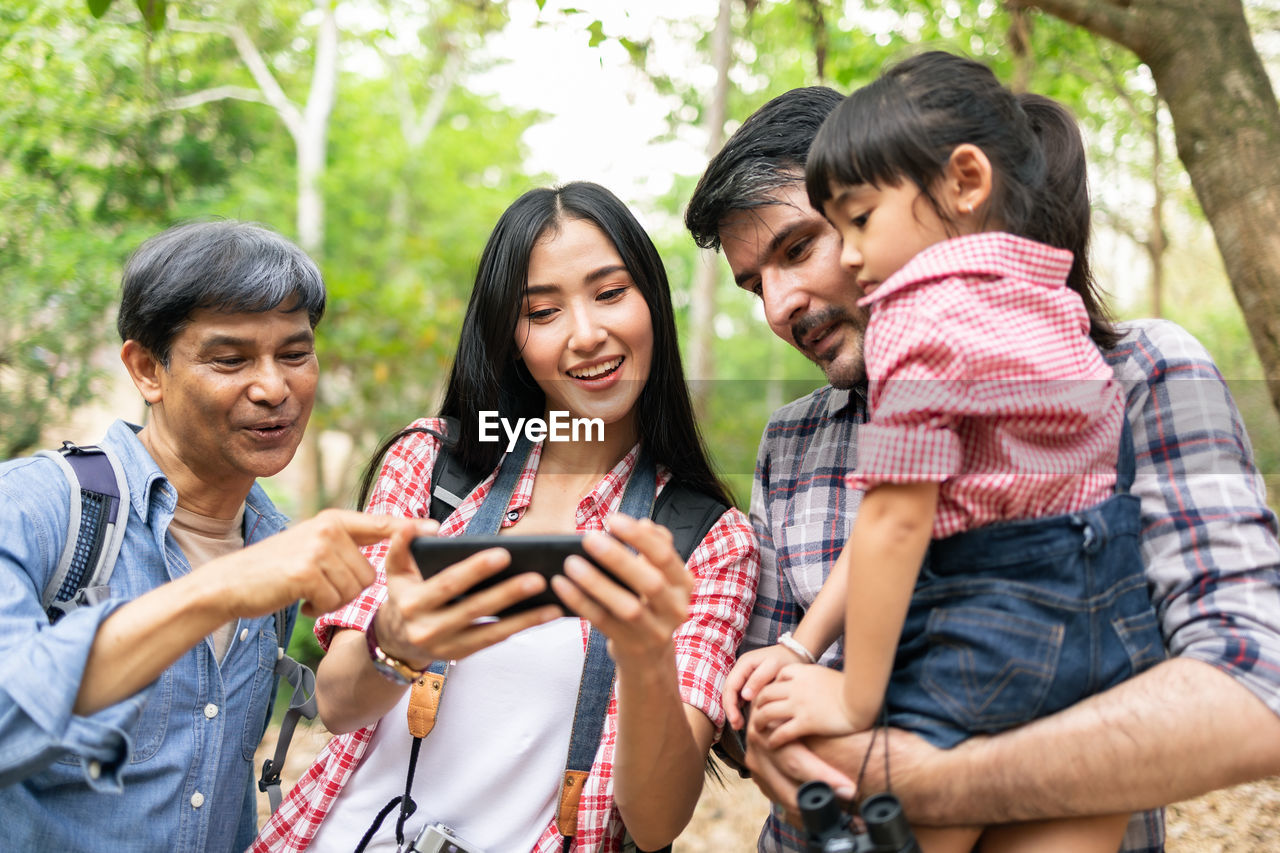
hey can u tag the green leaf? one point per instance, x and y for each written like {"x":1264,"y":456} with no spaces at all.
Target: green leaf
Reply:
{"x":98,"y":8}
{"x":153,"y":13}
{"x":636,"y":50}
{"x":597,"y":33}
{"x":541,"y":4}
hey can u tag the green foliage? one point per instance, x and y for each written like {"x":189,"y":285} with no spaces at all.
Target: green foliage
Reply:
{"x":88,"y":167}
{"x":303,"y":646}
{"x":400,"y":262}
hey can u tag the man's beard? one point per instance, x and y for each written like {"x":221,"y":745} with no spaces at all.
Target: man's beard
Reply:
{"x":841,"y":371}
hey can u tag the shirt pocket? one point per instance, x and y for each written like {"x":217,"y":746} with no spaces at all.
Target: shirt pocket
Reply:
{"x":261,"y":690}
{"x":148,"y":731}
{"x":153,"y":723}
{"x":808,"y":550}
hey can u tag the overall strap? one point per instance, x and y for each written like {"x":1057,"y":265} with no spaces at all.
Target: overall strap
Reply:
{"x":1126,"y":461}
{"x":596,"y":684}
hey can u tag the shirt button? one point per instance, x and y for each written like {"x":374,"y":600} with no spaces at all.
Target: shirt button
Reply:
{"x":211,"y":710}
{"x":95,"y":769}
{"x":513,"y":515}
{"x":244,"y":634}
{"x":197,"y":800}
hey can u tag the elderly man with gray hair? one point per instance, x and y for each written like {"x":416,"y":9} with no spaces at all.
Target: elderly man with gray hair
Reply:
{"x":130,"y":722}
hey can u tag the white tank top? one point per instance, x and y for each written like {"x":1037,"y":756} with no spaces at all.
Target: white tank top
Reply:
{"x":490,"y":769}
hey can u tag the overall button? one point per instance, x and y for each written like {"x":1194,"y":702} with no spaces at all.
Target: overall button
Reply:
{"x":513,"y":515}
{"x":211,"y":710}
{"x":197,"y":800}
{"x":244,"y":634}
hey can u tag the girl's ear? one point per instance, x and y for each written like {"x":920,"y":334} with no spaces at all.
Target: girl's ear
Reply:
{"x":144,"y":370}
{"x":968,"y":182}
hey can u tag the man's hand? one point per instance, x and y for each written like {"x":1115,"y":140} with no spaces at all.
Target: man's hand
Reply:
{"x":780,"y":772}
{"x":318,"y":560}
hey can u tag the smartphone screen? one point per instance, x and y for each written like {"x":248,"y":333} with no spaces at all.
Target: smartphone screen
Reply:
{"x":544,"y":554}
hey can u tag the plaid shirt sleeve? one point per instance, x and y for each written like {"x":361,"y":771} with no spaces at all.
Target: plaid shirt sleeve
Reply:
{"x":1209,"y":539}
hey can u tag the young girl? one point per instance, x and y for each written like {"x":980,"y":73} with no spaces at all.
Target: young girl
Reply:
{"x":570,"y":312}
{"x":993,"y":442}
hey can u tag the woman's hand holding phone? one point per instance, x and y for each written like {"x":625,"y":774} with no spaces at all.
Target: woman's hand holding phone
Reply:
{"x":641,"y":620}
{"x":425,"y":619}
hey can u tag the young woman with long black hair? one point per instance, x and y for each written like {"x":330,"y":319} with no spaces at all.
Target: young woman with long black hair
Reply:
{"x":571,"y":312}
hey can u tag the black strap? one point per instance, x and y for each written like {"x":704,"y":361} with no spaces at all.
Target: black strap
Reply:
{"x":405,"y":801}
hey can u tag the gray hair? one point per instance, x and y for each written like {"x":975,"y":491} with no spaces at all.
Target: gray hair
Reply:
{"x":221,"y":265}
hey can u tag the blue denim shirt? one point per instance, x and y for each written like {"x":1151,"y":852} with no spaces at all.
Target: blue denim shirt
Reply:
{"x":169,"y":768}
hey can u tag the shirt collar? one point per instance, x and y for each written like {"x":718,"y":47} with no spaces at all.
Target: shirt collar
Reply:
{"x":846,"y":402}
{"x":993,"y":254}
{"x":603,"y":498}
{"x":149,"y":487}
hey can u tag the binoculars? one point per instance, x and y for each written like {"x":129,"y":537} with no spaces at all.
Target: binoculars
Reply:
{"x":828,"y":830}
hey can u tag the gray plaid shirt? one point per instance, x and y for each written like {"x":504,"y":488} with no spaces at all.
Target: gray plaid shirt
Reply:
{"x":1208,"y":541}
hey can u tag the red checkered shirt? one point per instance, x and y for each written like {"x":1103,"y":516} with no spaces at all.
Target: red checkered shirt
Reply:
{"x":984,"y":379}
{"x":725,"y":566}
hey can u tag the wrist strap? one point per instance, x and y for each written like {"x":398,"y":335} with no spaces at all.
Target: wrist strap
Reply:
{"x":793,"y":645}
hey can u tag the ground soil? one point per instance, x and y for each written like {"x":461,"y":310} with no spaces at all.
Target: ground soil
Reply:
{"x":1244,"y":819}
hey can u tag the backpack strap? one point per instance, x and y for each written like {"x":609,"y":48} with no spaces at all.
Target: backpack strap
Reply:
{"x":688,"y":513}
{"x":95,"y":528}
{"x":302,"y":703}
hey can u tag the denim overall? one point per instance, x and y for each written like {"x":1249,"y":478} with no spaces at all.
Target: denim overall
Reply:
{"x":1014,"y":621}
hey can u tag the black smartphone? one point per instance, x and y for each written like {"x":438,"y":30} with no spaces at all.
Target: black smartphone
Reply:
{"x":544,"y":554}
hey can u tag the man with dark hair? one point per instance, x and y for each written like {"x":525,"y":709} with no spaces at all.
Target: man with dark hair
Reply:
{"x":130,"y":722}
{"x":1207,"y":717}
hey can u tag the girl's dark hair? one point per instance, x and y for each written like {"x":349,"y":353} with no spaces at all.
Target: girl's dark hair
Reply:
{"x":488,"y":374}
{"x":905,"y":125}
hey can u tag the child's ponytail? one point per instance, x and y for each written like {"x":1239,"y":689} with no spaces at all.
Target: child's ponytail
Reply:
{"x":1065,"y":217}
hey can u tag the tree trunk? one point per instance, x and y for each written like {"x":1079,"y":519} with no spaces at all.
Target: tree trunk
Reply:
{"x":1227,"y":126}
{"x":1157,"y":242}
{"x":702,"y":307}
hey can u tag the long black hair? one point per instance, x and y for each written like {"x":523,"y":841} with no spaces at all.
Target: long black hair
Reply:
{"x":905,"y":125}
{"x":488,"y":375}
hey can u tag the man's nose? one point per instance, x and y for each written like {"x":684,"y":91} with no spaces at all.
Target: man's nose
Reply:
{"x":784,"y":297}
{"x":270,"y":384}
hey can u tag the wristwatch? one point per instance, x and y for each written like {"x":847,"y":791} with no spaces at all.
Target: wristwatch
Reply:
{"x":392,"y":669}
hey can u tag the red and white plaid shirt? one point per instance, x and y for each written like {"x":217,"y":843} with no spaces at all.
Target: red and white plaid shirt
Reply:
{"x":725,"y":566}
{"x":984,"y":379}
